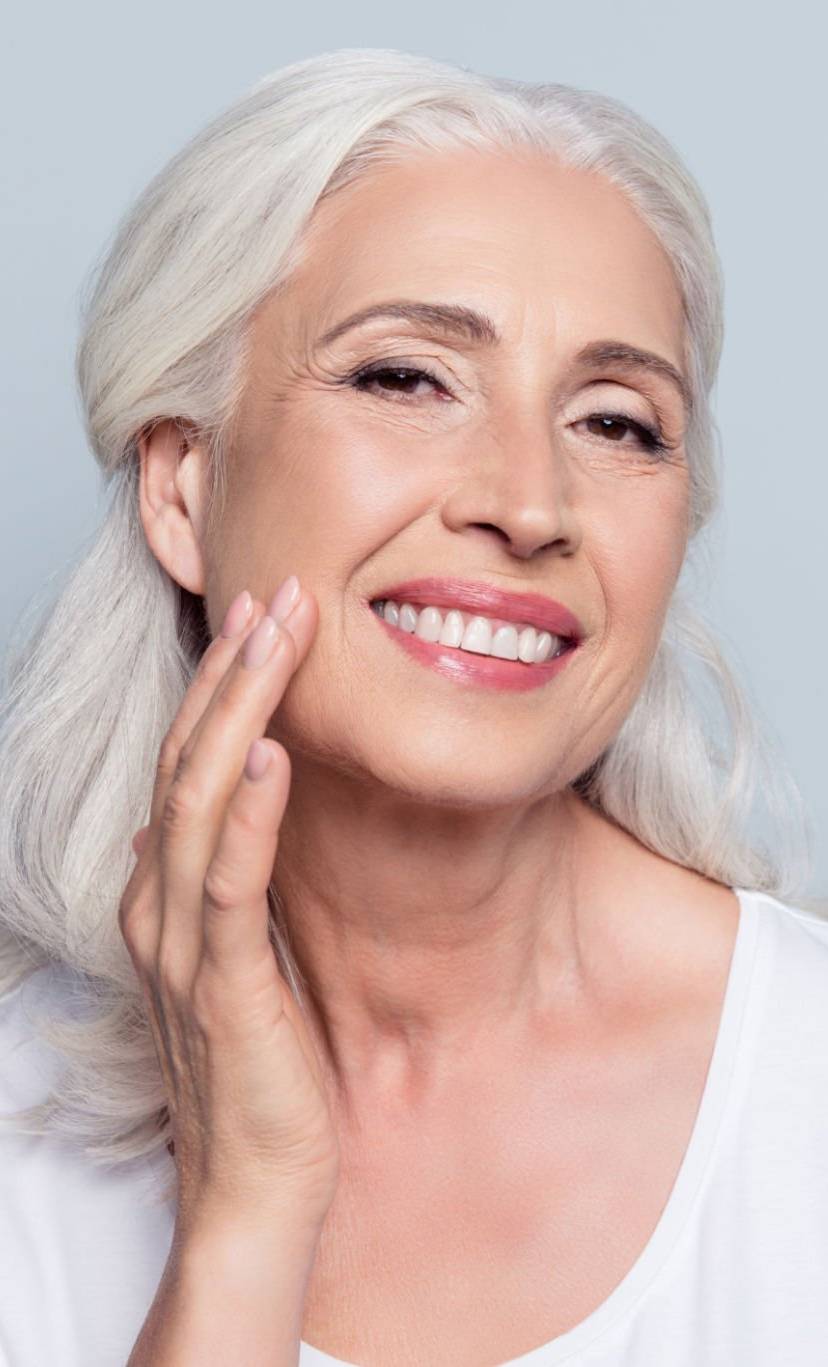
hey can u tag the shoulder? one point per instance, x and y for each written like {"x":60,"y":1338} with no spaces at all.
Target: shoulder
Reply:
{"x":787,"y":1013}
{"x":797,"y":937}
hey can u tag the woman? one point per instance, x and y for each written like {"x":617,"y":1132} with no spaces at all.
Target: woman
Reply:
{"x":476,"y":1025}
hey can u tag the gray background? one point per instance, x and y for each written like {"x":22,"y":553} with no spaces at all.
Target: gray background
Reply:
{"x":97,"y":97}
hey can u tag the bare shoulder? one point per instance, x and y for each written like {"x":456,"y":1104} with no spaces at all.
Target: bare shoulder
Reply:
{"x":670,"y":930}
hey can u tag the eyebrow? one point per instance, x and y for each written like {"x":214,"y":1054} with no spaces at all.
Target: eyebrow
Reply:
{"x":469,"y":325}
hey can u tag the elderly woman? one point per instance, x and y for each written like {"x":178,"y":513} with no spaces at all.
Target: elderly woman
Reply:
{"x":447,"y":992}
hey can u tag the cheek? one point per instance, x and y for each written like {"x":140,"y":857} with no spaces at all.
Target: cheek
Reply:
{"x":304,"y":489}
{"x":639,"y":560}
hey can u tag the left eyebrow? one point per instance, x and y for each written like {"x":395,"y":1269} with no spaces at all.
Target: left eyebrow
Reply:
{"x":458,"y":320}
{"x":630,"y":357}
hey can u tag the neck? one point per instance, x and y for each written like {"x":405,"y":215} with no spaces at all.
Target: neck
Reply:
{"x":423,"y":933}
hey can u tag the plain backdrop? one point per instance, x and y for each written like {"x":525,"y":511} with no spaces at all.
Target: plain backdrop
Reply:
{"x":96,"y":97}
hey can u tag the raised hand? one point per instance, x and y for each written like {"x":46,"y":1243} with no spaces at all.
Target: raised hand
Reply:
{"x":251,"y":1123}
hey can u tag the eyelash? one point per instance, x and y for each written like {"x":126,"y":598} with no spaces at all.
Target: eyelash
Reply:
{"x":650,"y":438}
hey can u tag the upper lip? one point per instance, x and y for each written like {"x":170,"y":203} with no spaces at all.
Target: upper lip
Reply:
{"x":474,"y":596}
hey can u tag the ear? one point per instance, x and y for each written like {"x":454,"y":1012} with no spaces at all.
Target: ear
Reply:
{"x":173,"y":499}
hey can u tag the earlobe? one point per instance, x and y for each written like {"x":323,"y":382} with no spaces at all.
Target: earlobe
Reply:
{"x":170,"y":499}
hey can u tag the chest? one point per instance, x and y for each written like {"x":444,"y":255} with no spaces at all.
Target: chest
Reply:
{"x":485,"y":1238}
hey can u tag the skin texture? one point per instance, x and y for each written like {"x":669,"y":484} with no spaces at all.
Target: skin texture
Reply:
{"x":458,"y":913}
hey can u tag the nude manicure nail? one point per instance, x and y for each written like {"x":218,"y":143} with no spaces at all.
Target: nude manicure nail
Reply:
{"x":259,"y":645}
{"x":285,"y":598}
{"x":237,"y":614}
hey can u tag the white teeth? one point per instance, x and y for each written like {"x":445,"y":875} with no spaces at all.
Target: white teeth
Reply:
{"x":505,"y":643}
{"x":452,"y":633}
{"x":526,"y":645}
{"x":546,"y":645}
{"x":477,"y":637}
{"x":472,"y":632}
{"x":429,"y":625}
{"x":408,"y":618}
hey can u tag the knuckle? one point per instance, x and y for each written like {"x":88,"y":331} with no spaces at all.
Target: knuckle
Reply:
{"x":136,"y":926}
{"x":181,"y":805}
{"x":221,"y":889}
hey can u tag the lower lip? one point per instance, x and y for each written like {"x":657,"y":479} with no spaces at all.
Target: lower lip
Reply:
{"x":465,"y":667}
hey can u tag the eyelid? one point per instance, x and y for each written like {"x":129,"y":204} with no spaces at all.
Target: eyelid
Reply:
{"x":405,"y":362}
{"x":661,"y":424}
{"x":603,"y":381}
{"x":661,"y":419}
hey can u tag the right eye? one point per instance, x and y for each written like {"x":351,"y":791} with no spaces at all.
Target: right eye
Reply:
{"x":400,"y":381}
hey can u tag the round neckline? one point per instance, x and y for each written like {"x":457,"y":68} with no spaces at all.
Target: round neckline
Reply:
{"x":686,"y":1186}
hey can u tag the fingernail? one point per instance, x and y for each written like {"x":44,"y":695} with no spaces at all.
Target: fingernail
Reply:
{"x":259,"y":645}
{"x":237,"y":614}
{"x":258,"y":759}
{"x":285,"y":598}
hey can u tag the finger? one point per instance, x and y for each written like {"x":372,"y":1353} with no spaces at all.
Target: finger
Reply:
{"x":297,"y":628}
{"x":236,"y":911}
{"x":209,"y":770}
{"x":236,"y":943}
{"x":142,"y":895}
{"x":210,"y":672}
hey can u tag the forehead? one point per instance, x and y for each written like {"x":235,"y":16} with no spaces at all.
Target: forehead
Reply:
{"x":534,"y":243}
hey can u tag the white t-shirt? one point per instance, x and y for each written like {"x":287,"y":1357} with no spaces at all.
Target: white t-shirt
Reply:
{"x":735,"y":1273}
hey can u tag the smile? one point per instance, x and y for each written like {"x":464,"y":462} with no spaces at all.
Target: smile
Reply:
{"x":472,"y":648}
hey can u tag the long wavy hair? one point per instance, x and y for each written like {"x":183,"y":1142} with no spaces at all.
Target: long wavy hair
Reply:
{"x":94,"y":679}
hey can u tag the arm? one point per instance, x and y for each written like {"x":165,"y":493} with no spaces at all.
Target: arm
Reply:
{"x":230,"y":1297}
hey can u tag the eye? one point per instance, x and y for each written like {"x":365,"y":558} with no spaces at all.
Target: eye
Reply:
{"x":400,"y":384}
{"x":395,"y":382}
{"x":612,"y":427}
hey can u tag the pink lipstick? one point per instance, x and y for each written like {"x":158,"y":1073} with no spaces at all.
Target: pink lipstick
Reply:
{"x":500,"y":607}
{"x":468,"y":595}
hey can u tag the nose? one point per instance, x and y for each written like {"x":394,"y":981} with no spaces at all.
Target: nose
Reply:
{"x":519,"y":489}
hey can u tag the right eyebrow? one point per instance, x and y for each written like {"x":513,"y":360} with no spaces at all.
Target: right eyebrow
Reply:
{"x":455,"y":319}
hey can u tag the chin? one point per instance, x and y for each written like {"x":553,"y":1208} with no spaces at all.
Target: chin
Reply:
{"x":443,"y":776}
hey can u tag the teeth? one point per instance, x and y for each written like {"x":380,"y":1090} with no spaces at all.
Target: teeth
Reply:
{"x":429,"y":624}
{"x":453,"y":628}
{"x":472,"y":632}
{"x":408,"y":618}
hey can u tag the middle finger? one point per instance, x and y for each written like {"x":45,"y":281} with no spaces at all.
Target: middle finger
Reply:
{"x":212,"y":760}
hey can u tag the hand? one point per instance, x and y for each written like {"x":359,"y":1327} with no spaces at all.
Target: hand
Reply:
{"x":246,"y":1092}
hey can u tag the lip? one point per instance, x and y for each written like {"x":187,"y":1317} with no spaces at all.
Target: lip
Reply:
{"x":533,"y":609}
{"x":468,"y":668}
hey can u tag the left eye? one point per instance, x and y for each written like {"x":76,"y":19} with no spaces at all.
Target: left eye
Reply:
{"x":609,"y":423}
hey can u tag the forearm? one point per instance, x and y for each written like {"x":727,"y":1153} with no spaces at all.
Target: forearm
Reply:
{"x":229,"y":1298}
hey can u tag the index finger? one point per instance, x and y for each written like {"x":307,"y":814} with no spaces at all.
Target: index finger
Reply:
{"x":210,"y":672}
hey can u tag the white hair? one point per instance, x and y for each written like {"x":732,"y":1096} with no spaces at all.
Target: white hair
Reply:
{"x":96,"y":682}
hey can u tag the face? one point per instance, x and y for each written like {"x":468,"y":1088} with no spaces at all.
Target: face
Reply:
{"x":516,"y":464}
